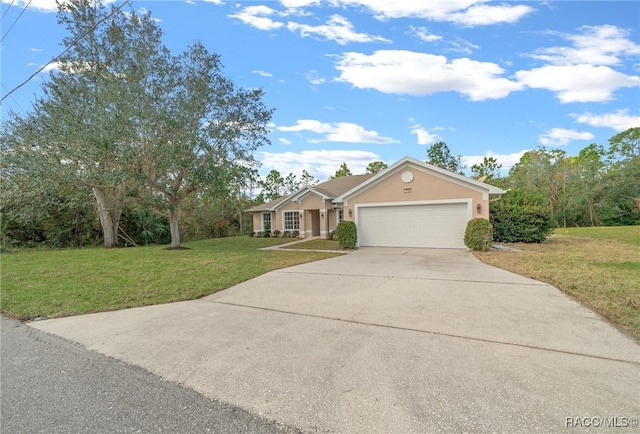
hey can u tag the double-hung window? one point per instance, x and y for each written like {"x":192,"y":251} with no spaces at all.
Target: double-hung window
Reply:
{"x":266,"y":221}
{"x":340,"y":213}
{"x":291,"y":221}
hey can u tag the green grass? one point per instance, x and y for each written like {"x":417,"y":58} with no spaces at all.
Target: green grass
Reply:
{"x":600,"y":267}
{"x":318,"y":244}
{"x":624,"y":234}
{"x":65,"y":282}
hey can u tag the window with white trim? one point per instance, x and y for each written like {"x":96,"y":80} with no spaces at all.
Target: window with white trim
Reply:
{"x":266,"y":220}
{"x":291,"y":221}
{"x":340,"y":214}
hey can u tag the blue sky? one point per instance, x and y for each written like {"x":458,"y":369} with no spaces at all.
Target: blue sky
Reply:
{"x":365,"y":80}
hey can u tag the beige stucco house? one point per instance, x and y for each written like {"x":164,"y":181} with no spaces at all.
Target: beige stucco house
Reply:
{"x":409,"y":204}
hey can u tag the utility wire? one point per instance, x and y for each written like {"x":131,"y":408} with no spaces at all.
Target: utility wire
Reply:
{"x":7,"y":10}
{"x":75,"y":41}
{"x":16,"y":20}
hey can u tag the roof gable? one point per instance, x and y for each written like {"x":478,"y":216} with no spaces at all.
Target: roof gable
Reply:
{"x":426,"y":167}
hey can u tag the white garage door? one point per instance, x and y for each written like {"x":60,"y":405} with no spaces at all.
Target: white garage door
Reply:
{"x":433,"y":225}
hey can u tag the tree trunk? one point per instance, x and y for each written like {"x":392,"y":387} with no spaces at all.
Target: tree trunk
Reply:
{"x":109,"y":230}
{"x":175,"y":231}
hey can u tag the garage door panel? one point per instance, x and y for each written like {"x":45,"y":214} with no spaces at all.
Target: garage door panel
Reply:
{"x":432,"y":225}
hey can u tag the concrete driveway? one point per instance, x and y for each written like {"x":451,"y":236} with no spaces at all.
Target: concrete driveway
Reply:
{"x":386,"y":340}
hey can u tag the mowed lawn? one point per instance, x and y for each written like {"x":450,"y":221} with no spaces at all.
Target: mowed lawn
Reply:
{"x":56,"y":283}
{"x":600,"y":267}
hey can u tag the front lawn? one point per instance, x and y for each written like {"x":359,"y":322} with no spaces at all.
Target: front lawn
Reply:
{"x":625,"y":234}
{"x":56,"y":283}
{"x":319,"y":244}
{"x":600,"y":267}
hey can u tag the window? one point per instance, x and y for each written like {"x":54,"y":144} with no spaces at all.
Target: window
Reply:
{"x":266,"y":220}
{"x":340,"y":215}
{"x":291,"y":221}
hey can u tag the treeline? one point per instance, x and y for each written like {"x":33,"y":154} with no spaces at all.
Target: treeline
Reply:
{"x":599,"y":186}
{"x":129,"y":144}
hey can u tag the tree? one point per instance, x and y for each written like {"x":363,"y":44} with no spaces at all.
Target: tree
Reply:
{"x":376,"y":166}
{"x":273,"y":185}
{"x":440,"y":155}
{"x":588,"y":167}
{"x":124,"y":115}
{"x":342,"y":171}
{"x":489,"y":169}
{"x":625,"y":144}
{"x":80,"y":131}
{"x":308,"y":180}
{"x":199,"y":124}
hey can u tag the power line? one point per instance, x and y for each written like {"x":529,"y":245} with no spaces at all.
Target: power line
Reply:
{"x":16,"y":20}
{"x":75,"y":41}
{"x":7,"y":10}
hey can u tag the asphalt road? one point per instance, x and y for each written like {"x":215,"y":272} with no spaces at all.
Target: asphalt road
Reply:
{"x":50,"y":385}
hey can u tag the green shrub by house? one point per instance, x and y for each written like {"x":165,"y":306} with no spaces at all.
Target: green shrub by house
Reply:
{"x":347,"y":235}
{"x":520,"y":216}
{"x":479,"y":234}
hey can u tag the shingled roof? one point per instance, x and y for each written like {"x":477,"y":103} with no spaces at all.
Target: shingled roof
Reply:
{"x":331,"y":189}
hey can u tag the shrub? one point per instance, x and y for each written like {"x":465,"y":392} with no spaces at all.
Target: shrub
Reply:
{"x":479,"y":234}
{"x":332,"y":235}
{"x":258,"y":233}
{"x":295,"y":234}
{"x":251,"y":233}
{"x":347,"y":234}
{"x":520,"y":216}
{"x":276,"y":233}
{"x":267,"y":231}
{"x":286,"y":234}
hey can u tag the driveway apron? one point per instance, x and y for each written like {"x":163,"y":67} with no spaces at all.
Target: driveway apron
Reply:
{"x":386,"y":340}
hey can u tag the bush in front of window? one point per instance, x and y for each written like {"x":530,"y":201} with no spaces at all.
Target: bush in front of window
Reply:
{"x":276,"y":233}
{"x":479,"y":234}
{"x":251,"y":233}
{"x":295,"y":234}
{"x":347,"y":234}
{"x":267,"y":231}
{"x":257,"y":233}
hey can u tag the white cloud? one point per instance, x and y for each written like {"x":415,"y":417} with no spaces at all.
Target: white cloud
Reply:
{"x":337,"y":132}
{"x":299,"y":3}
{"x":561,"y":137}
{"x":51,"y":67}
{"x":464,"y":12}
{"x":424,"y":136}
{"x":483,"y":15}
{"x":258,"y":17}
{"x":284,"y":141}
{"x":424,"y":34}
{"x":320,"y":163}
{"x":578,"y":83}
{"x":313,"y":77}
{"x":596,"y":45}
{"x":42,"y":5}
{"x":262,"y":73}
{"x":412,"y":73}
{"x":337,"y":29}
{"x":619,"y":120}
{"x":462,"y":46}
{"x":506,"y":160}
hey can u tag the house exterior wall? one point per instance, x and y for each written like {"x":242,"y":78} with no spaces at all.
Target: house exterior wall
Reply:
{"x":423,"y":187}
{"x":258,"y":221}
